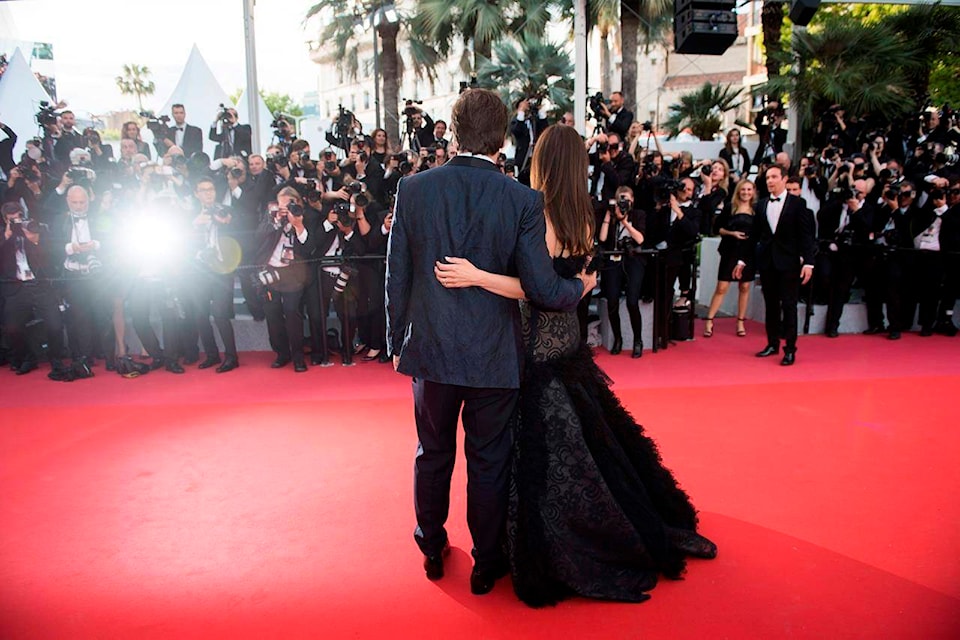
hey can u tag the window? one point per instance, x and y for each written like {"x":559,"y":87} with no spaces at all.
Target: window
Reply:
{"x":327,"y":105}
{"x":366,"y":99}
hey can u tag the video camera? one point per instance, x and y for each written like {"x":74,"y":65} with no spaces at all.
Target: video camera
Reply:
{"x":410,"y":109}
{"x":473,"y":84}
{"x":224,"y":114}
{"x":343,"y":211}
{"x":597,"y":103}
{"x":158,"y":125}
{"x":47,"y":114}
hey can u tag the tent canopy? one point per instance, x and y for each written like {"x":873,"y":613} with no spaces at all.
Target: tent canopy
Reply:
{"x":20,"y":97}
{"x":200,"y":94}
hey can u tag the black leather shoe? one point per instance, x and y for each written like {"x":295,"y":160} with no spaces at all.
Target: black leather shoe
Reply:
{"x":637,"y":351}
{"x":384,"y":358}
{"x":209,"y":362}
{"x":26,"y":367}
{"x":946,"y":328}
{"x":173,"y":366}
{"x":60,"y":373}
{"x":483,"y":579}
{"x":894,"y":335}
{"x":81,"y":369}
{"x":872,"y":331}
{"x":299,"y":366}
{"x":280,"y":363}
{"x":191,"y":359}
{"x":157,"y":363}
{"x":770,"y":350}
{"x":433,"y":565}
{"x":832,"y":333}
{"x":789,"y":357}
{"x":316,"y":359}
{"x":617,"y":346}
{"x":926,"y":333}
{"x":228,"y":365}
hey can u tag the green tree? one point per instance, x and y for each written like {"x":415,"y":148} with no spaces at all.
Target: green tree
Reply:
{"x":865,"y":67}
{"x":702,"y":110}
{"x":771,"y":24}
{"x":934,"y":32}
{"x":276,"y":102}
{"x":478,"y":24}
{"x":135,"y":81}
{"x":529,"y":67}
{"x":345,"y":20}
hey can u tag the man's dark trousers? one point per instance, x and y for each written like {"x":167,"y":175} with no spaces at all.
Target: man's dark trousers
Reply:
{"x":488,"y":416}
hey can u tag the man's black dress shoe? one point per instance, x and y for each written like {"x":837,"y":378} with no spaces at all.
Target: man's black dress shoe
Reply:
{"x":832,"y":333}
{"x":789,"y":357}
{"x":770,"y":350}
{"x":617,"y":346}
{"x":483,"y":579}
{"x":26,"y":367}
{"x":280,"y":362}
{"x":173,"y":366}
{"x":228,"y":365}
{"x":299,"y":366}
{"x":926,"y":333}
{"x":894,"y":335}
{"x":209,"y":362}
{"x":384,"y":358}
{"x":872,"y":331}
{"x":191,"y":358}
{"x":316,"y":359}
{"x":157,"y":363}
{"x":637,"y":351}
{"x":433,"y":565}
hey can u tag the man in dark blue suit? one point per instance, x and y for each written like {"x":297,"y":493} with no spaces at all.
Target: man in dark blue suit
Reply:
{"x":784,"y":232}
{"x":463,"y":346}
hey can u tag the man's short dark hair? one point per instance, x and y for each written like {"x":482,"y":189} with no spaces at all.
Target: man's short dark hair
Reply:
{"x":778,"y":167}
{"x":479,"y":121}
{"x":436,"y":122}
{"x":63,"y":113}
{"x":794,"y":180}
{"x":299,"y":145}
{"x":178,"y":106}
{"x":203,"y":179}
{"x":617,"y":93}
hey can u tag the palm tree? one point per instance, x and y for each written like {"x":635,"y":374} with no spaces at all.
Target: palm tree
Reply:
{"x":605,"y":16}
{"x":771,"y":20}
{"x":342,"y":32}
{"x":529,"y":67}
{"x":865,"y":67}
{"x":135,"y":82}
{"x":702,"y":110}
{"x":478,"y":24}
{"x":935,"y":32}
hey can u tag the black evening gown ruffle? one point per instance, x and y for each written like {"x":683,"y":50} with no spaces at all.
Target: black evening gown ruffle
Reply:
{"x":591,"y":503}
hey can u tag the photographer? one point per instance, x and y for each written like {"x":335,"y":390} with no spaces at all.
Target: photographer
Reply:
{"x":180,"y":134}
{"x":337,"y":236}
{"x":27,"y":266}
{"x":888,"y":279}
{"x":283,"y":243}
{"x":927,"y":231}
{"x":833,"y":130}
{"x":950,"y":245}
{"x":374,"y":231}
{"x":769,"y":127}
{"x":526,"y":127}
{"x":419,"y":126}
{"x":232,"y":139}
{"x":344,"y":129}
{"x":622,"y":230}
{"x":618,"y":117}
{"x":69,"y":139}
{"x":211,"y":278}
{"x":131,"y":131}
{"x":7,"y":163}
{"x":283,"y":134}
{"x":25,"y":186}
{"x":101,"y":155}
{"x":843,"y":228}
{"x":813,"y":187}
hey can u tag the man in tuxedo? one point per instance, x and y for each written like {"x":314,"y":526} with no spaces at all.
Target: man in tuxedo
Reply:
{"x":783,"y":230}
{"x":619,"y":118}
{"x":232,"y":139}
{"x":7,"y":163}
{"x":69,"y":139}
{"x":183,"y":135}
{"x":525,"y":128}
{"x":462,"y":346}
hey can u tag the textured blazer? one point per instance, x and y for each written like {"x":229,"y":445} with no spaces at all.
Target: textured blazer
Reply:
{"x":468,"y":337}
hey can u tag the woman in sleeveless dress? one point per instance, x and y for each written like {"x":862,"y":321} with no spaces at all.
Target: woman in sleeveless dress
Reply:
{"x":593,"y":511}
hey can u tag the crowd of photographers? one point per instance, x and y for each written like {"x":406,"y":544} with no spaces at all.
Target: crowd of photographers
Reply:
{"x":92,"y":240}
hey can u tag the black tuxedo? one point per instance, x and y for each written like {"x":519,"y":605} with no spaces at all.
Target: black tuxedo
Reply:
{"x":779,"y":257}
{"x":192,"y":139}
{"x":6,"y":150}
{"x":242,"y":144}
{"x":524,"y":142}
{"x":842,"y":254}
{"x":620,"y":125}
{"x":463,"y":346}
{"x":67,"y":142}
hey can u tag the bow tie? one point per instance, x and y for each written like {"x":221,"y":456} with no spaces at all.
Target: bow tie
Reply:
{"x":775,"y":199}
{"x":179,"y":128}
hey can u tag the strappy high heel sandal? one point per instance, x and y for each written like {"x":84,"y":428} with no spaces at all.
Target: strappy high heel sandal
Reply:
{"x":741,"y":331}
{"x":708,"y":328}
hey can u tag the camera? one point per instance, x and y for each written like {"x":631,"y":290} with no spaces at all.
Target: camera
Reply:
{"x":81,"y":175}
{"x":343,"y":211}
{"x":624,"y":205}
{"x":473,"y":84}
{"x":157,"y":125}
{"x":842,"y":193}
{"x":510,"y":167}
{"x":267,"y":277}
{"x":223,"y":115}
{"x":47,"y":114}
{"x":355,"y":188}
{"x":810,"y":171}
{"x":647,"y":126}
{"x":295,"y":210}
{"x":891,"y":193}
{"x":410,"y":109}
{"x":603,"y":147}
{"x":236,"y":172}
{"x":846,"y":237}
{"x":329,"y":166}
{"x":597,"y":103}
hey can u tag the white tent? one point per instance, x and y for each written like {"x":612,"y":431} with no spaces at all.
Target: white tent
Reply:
{"x":20,"y":97}
{"x":266,"y":133}
{"x":200,"y":94}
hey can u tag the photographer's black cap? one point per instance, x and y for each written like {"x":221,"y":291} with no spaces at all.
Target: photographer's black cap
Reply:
{"x":10,"y":208}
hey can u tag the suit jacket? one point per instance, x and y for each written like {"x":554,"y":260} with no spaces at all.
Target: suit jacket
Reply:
{"x":522,"y":141}
{"x":192,"y":139}
{"x":242,"y":141}
{"x":41,"y":257}
{"x":466,"y":337}
{"x":621,"y":124}
{"x":6,"y":150}
{"x":794,"y":243}
{"x":67,"y":143}
{"x":677,"y":234}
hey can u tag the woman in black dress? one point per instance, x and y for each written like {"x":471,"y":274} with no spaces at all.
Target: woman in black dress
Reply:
{"x":593,"y":511}
{"x":734,"y":241}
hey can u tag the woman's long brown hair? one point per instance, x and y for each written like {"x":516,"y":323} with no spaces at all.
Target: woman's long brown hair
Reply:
{"x":559,"y":170}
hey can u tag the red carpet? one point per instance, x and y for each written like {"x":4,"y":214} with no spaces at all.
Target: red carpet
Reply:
{"x":266,"y":504}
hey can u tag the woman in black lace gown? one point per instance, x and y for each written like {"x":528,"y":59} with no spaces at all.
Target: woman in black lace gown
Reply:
{"x":593,"y":511}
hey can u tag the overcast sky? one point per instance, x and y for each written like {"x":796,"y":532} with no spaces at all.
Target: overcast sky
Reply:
{"x":92,"y":39}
